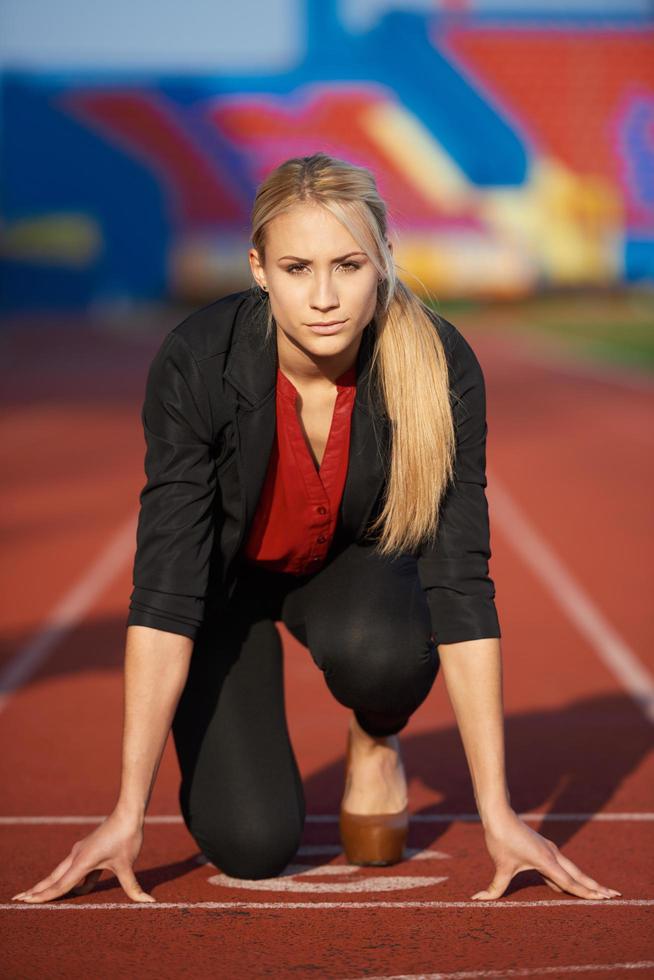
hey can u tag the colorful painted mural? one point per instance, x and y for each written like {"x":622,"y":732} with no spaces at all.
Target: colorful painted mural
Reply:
{"x":514,"y":151}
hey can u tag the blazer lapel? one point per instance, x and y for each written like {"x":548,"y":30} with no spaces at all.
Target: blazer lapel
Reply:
{"x":252,"y":370}
{"x":369,"y":446}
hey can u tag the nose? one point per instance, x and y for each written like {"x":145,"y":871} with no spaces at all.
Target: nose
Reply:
{"x":324,"y":295}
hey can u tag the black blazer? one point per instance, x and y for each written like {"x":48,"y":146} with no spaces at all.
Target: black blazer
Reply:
{"x":209,"y":417}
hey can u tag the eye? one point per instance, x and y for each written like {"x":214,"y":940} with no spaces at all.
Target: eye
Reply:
{"x":295,"y":269}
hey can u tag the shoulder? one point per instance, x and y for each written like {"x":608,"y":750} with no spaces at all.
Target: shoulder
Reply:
{"x":463,"y":363}
{"x":190,"y":358}
{"x":208,"y":331}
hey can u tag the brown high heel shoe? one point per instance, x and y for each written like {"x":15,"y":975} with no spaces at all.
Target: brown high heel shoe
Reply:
{"x":372,"y":838}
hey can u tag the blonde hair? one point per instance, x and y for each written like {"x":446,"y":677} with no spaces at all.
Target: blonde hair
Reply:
{"x":408,"y":363}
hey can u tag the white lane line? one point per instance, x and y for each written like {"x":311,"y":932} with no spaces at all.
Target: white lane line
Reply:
{"x":495,"y":904}
{"x":333,"y":818}
{"x":518,"y":971}
{"x":69,"y":611}
{"x":614,"y":652}
{"x":475,"y":818}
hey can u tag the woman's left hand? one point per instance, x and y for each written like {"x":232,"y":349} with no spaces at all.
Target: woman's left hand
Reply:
{"x":515,"y":847}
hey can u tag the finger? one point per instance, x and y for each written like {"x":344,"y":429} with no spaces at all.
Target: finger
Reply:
{"x":130,"y":885}
{"x":89,"y":882}
{"x":585,"y":879}
{"x":498,"y":885}
{"x":553,"y":871}
{"x":64,"y":884}
{"x":61,"y":868}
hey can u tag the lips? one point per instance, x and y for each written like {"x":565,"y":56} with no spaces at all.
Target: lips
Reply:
{"x":326,"y":328}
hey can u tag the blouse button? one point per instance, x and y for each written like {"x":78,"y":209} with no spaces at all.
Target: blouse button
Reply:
{"x":321,"y":510}
{"x":321,"y":539}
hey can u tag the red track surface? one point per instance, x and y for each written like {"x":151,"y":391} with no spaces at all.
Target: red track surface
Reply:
{"x":573,"y":453}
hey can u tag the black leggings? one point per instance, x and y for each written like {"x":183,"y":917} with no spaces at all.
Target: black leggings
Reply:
{"x":367,"y":626}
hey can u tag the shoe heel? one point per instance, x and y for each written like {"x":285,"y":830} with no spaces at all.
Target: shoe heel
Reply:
{"x":375,"y":839}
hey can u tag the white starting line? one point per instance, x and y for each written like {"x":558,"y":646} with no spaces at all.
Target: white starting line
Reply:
{"x":282,"y":906}
{"x":346,"y":879}
{"x":603,"y":817}
{"x":540,"y":971}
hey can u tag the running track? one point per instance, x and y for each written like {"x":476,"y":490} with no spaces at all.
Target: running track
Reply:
{"x":570,"y":477}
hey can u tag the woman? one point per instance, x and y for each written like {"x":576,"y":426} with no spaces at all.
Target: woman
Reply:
{"x":275,"y":492}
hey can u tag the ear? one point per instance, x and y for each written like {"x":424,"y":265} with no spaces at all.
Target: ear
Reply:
{"x":257,"y":268}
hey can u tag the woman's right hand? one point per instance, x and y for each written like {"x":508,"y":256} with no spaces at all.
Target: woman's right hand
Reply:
{"x":114,"y":846}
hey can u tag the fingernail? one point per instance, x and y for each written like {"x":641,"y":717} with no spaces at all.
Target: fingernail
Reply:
{"x":19,"y":895}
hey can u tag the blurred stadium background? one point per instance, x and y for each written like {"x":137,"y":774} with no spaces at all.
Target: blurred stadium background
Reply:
{"x":513,"y":142}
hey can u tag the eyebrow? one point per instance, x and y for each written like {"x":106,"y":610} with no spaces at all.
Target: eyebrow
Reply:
{"x":308,"y":261}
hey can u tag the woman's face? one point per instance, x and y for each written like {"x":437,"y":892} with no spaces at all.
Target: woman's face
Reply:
{"x":316,"y":273}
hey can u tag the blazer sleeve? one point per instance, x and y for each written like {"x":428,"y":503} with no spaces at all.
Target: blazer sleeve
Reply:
{"x":453,"y":568}
{"x":175,"y":528}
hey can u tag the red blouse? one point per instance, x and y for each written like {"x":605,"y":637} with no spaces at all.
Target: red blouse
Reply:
{"x":296,"y":516}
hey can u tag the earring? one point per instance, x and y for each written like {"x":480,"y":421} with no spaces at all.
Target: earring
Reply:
{"x":265,"y":289}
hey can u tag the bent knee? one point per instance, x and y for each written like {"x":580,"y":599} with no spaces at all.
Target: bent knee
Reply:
{"x":389,"y":655}
{"x":383,"y":680}
{"x":254,"y":852}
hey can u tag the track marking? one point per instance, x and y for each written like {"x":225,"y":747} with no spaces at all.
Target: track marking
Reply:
{"x":333,"y":818}
{"x":489,"y":903}
{"x":69,"y":611}
{"x":614,"y":652}
{"x":518,"y":971}
{"x":288,"y":881}
{"x":293,"y":877}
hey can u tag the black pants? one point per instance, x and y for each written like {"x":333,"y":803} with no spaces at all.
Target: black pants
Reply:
{"x":367,"y":626}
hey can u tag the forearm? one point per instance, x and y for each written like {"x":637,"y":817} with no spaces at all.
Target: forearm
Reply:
{"x":156,"y":668}
{"x":473,"y":676}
